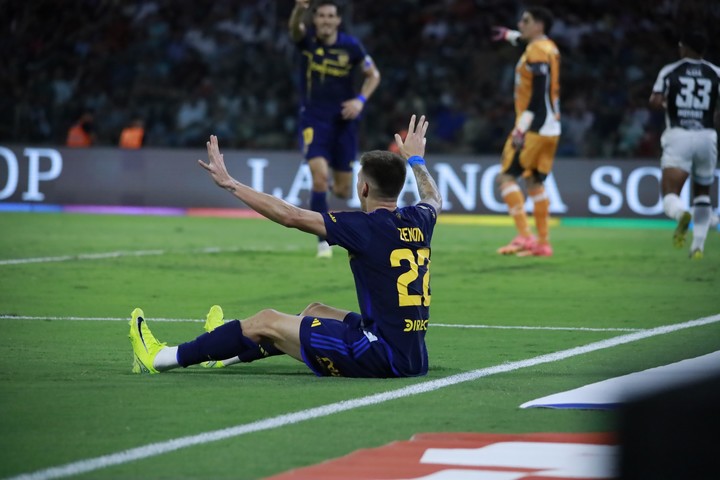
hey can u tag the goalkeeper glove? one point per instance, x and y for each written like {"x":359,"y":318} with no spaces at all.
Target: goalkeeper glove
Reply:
{"x":518,"y":138}
{"x":521,"y":126}
{"x":502,"y":33}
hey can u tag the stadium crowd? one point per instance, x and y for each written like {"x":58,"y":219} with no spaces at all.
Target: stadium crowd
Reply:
{"x":189,"y":69}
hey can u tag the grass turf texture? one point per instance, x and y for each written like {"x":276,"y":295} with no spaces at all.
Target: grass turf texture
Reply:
{"x":67,"y":393}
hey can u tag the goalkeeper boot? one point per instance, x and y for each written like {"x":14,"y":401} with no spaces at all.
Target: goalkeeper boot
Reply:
{"x":681,"y":230}
{"x":518,"y":244}
{"x":144,"y":344}
{"x":537,"y":250}
{"x":213,"y":320}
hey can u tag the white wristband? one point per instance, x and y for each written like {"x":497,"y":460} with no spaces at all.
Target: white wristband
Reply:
{"x":512,"y":36}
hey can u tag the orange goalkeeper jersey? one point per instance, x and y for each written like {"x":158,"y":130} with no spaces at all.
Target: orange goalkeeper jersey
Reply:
{"x":537,"y":86}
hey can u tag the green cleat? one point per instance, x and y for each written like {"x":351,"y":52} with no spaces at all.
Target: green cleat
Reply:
{"x":145,"y":345}
{"x":696,"y":254}
{"x":213,"y":320}
{"x":681,"y":230}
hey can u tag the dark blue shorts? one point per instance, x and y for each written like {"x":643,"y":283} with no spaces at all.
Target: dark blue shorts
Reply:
{"x":334,"y":139}
{"x":343,"y":349}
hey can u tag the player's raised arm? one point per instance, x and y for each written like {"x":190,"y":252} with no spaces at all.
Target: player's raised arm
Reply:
{"x":296,"y":25}
{"x":413,"y":150}
{"x":273,"y":208}
{"x":503,"y":33}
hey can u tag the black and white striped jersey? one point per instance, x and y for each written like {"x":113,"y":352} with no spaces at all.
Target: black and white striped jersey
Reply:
{"x":691,"y":90}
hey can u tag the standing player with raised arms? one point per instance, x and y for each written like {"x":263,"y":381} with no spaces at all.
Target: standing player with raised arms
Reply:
{"x":530,"y":148}
{"x":330,"y":108}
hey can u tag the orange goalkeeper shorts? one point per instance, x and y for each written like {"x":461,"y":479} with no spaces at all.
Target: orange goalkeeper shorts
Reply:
{"x":535,"y":157}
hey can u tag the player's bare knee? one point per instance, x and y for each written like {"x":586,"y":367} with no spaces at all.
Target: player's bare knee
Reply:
{"x":504,"y":181}
{"x":312,"y":309}
{"x":263,"y":324}
{"x":342,"y":191}
{"x":533,"y":184}
{"x":320,"y":185}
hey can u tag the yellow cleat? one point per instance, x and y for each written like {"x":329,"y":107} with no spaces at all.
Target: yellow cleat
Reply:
{"x":213,"y":320}
{"x":696,"y":254}
{"x":681,"y":230}
{"x":144,"y":344}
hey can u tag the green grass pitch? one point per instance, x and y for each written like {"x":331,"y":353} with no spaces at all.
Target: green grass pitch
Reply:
{"x":67,"y":393}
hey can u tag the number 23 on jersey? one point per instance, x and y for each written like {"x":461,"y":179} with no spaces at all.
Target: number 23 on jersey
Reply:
{"x":405,"y":299}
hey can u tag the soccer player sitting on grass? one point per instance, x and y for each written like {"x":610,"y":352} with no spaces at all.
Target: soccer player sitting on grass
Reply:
{"x":389,"y":251}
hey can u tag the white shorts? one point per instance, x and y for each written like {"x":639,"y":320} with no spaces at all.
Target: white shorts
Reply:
{"x":694,"y":151}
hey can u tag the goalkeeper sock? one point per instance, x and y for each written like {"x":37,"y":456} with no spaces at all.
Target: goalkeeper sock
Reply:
{"x":318,"y":203}
{"x":541,"y":211}
{"x":515,"y":201}
{"x":702,"y":211}
{"x":226,"y":341}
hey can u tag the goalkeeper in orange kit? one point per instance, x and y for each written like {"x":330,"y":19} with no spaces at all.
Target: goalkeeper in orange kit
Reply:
{"x":530,"y":148}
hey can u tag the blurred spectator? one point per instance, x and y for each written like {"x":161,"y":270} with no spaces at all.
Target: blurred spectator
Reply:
{"x":392,"y":146}
{"x":133,"y":135}
{"x":630,"y":132}
{"x":82,"y":133}
{"x":577,"y":121}
{"x":190,"y":121}
{"x":179,"y":60}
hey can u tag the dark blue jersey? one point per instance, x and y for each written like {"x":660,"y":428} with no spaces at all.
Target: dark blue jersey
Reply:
{"x":390,"y":260}
{"x":326,"y":72}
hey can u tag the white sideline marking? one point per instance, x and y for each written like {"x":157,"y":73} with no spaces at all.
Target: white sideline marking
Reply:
{"x":82,"y":256}
{"x":449,"y":325}
{"x":159,"y":448}
{"x":98,"y":319}
{"x":138,"y":253}
{"x":524,"y":327}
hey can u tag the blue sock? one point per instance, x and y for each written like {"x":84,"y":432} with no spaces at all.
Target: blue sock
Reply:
{"x":318,"y":203}
{"x":226,"y":341}
{"x":264,"y":350}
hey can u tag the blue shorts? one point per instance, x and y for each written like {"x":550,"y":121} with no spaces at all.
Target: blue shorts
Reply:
{"x":334,"y":139}
{"x":343,"y":349}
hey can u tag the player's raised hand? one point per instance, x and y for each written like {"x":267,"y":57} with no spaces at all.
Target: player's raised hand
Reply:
{"x":216,"y":164}
{"x":414,"y":143}
{"x":498,"y":33}
{"x":304,"y":4}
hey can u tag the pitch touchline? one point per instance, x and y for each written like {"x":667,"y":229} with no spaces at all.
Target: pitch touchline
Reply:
{"x":449,"y":325}
{"x":159,"y":448}
{"x":136,"y":253}
{"x":524,"y":327}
